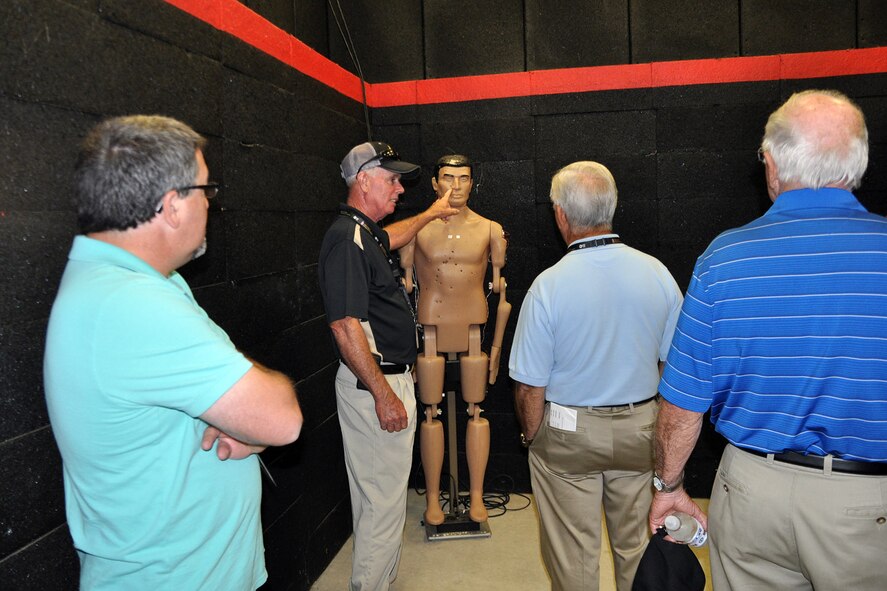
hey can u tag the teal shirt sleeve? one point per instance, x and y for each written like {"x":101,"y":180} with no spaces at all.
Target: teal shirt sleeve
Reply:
{"x":184,"y":360}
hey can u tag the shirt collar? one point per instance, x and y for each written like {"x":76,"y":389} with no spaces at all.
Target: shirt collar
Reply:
{"x":825,"y":198}
{"x":90,"y":250}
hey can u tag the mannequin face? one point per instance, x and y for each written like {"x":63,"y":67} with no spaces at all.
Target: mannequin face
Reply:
{"x":457,"y":178}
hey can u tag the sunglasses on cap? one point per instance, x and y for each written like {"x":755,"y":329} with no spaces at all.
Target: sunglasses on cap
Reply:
{"x":388,"y":154}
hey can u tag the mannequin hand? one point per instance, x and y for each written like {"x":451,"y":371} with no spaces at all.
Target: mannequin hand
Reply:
{"x":391,"y":412}
{"x":495,"y":353}
{"x":664,"y":504}
{"x":228,"y":448}
{"x":441,"y":209}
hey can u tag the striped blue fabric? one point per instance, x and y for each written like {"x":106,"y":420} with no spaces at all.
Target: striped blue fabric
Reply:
{"x":783,"y":331}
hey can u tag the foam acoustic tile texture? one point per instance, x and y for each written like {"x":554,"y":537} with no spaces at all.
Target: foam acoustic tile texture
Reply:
{"x":872,"y":16}
{"x":569,"y":34}
{"x":43,"y":240}
{"x":38,"y":148}
{"x":21,"y":371}
{"x":463,"y":37}
{"x":42,"y":67}
{"x":810,"y":26}
{"x":489,"y":139}
{"x":683,"y":29}
{"x":388,"y":41}
{"x":31,"y":488}
{"x":722,"y":127}
{"x":575,"y":137}
{"x":167,"y":23}
{"x":48,"y":563}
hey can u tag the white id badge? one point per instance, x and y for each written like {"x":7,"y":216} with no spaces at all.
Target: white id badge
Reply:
{"x":561,"y":417}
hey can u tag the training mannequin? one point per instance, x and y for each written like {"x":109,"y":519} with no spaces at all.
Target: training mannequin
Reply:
{"x":450,"y":259}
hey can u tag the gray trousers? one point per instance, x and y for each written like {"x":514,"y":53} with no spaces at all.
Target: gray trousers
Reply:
{"x":607,"y":462}
{"x":777,"y":526}
{"x":378,"y":465}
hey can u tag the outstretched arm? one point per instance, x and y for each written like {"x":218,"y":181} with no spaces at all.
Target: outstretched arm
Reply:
{"x":399,"y":233}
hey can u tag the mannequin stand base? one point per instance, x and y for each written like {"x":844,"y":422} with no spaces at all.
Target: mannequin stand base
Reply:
{"x":457,"y":527}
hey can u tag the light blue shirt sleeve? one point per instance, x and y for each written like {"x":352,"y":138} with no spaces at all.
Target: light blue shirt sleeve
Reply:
{"x":532,"y":352}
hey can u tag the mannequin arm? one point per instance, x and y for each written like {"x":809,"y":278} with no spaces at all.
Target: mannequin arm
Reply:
{"x":498,"y":245}
{"x":406,"y":263}
{"x":503,"y":311}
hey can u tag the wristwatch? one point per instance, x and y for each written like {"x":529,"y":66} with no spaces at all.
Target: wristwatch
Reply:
{"x":662,"y":486}
{"x":524,"y":441}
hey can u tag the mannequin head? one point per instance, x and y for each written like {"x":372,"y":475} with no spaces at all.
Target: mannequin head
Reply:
{"x":453,"y":172}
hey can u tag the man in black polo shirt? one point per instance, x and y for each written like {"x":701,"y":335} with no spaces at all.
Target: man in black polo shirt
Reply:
{"x":374,"y":330}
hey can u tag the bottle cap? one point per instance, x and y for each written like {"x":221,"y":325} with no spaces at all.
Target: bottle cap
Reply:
{"x":672,"y":522}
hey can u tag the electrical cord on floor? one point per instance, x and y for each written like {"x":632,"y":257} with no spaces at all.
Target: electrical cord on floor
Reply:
{"x":496,"y":499}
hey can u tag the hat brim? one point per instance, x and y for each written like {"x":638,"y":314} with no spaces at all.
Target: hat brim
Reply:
{"x":404,"y":169}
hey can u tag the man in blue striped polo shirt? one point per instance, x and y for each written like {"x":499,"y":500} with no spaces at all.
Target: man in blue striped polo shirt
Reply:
{"x":783,"y":335}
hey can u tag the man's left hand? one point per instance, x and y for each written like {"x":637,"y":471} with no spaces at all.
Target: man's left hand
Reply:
{"x":228,"y":448}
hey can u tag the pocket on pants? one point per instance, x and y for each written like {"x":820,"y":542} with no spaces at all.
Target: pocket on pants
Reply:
{"x":557,"y":449}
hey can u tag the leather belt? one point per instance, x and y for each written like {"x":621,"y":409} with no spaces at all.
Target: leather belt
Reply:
{"x":818,"y":462}
{"x":621,"y":406}
{"x":395,"y":368}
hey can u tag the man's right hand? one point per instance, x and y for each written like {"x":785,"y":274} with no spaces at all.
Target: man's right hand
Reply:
{"x":441,"y":209}
{"x":391,"y":412}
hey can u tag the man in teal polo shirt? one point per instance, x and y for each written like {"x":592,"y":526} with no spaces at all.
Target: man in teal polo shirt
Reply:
{"x":147,"y":396}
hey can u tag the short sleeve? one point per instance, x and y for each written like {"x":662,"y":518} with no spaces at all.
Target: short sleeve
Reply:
{"x":532,"y":352}
{"x":687,"y":380}
{"x":159,"y":348}
{"x":346,"y":283}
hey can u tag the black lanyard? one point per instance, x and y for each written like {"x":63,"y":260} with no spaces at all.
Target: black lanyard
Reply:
{"x":595,"y":242}
{"x":395,"y":268}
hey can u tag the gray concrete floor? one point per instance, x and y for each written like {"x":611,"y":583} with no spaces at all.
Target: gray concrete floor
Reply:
{"x":508,"y":560}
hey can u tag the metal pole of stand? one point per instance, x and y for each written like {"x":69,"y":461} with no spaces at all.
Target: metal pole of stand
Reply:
{"x":453,"y":451}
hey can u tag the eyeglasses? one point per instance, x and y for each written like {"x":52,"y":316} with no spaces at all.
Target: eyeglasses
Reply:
{"x":761,"y":155}
{"x":389,"y":153}
{"x":210,"y":190}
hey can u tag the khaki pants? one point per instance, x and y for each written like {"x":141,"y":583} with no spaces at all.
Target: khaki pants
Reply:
{"x":378,"y":465}
{"x":777,"y":526}
{"x":607,"y":461}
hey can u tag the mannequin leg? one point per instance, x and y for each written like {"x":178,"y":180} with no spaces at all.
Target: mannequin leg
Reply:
{"x":430,"y":375}
{"x":473,"y":368}
{"x":431,"y":445}
{"x":477,"y":450}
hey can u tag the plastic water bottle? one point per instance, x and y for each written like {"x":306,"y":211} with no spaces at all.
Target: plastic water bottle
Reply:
{"x":685,"y":528}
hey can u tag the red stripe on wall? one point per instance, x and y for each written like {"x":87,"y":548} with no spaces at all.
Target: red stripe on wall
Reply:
{"x":236,"y":19}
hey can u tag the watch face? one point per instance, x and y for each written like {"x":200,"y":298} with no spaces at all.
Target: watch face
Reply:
{"x":657,"y":483}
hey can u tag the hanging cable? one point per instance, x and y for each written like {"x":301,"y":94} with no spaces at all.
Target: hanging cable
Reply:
{"x":352,"y":53}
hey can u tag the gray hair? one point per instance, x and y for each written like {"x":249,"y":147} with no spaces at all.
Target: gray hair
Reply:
{"x":834,"y":152}
{"x":586,"y":192}
{"x":125,"y":166}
